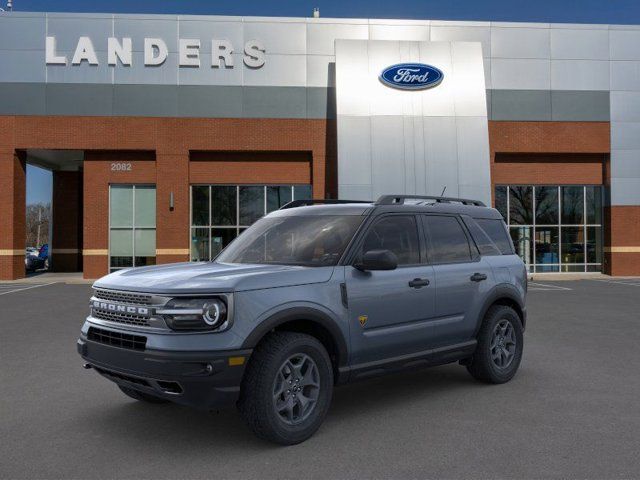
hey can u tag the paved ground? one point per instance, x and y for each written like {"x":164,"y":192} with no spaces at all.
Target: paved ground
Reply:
{"x":573,"y":411}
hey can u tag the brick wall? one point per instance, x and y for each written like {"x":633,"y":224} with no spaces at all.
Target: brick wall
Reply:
{"x":66,"y":242}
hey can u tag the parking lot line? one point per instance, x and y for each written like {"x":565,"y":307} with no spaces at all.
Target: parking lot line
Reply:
{"x":544,"y":286}
{"x":21,"y":287}
{"x":629,"y":282}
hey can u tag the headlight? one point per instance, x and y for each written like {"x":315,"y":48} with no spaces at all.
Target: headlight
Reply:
{"x":195,"y":314}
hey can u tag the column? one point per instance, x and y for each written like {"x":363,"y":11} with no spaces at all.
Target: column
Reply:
{"x":12,"y":213}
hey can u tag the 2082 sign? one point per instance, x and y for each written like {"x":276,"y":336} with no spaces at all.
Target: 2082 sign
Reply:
{"x":120,"y":167}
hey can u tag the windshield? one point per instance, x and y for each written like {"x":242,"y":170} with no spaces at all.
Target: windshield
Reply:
{"x":312,"y":241}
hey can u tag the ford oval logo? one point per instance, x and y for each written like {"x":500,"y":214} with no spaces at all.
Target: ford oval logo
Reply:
{"x":411,"y":76}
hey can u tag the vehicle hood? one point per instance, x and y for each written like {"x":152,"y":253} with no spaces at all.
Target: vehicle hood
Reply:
{"x":211,"y":277}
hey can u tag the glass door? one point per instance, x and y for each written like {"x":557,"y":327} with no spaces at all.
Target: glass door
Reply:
{"x":132,"y":226}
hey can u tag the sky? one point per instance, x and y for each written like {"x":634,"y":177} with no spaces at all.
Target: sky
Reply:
{"x":559,"y":11}
{"x":39,"y":185}
{"x":562,"y":11}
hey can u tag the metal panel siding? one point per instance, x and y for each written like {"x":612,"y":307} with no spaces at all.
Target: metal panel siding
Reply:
{"x":625,"y":75}
{"x":525,"y":105}
{"x":207,"y":75}
{"x":420,"y":33}
{"x":22,"y":99}
{"x":138,"y":73}
{"x":579,"y":75}
{"x":140,"y":27}
{"x":418,"y":141}
{"x":519,"y":74}
{"x":321,"y":103}
{"x":520,"y":43}
{"x":67,"y":30}
{"x":452,"y":33}
{"x":83,"y":73}
{"x":587,"y":106}
{"x":63,"y":99}
{"x":22,"y":66}
{"x":627,"y":164}
{"x":283,"y":102}
{"x":356,"y":147}
{"x":206,"y":101}
{"x":321,"y":36}
{"x":625,"y":106}
{"x":579,"y":44}
{"x":321,"y":70}
{"x":205,"y":30}
{"x":279,"y":70}
{"x":624,"y":136}
{"x":146,"y":100}
{"x":281,"y":38}
{"x":623,"y":44}
{"x":624,"y":191}
{"x":22,"y":33}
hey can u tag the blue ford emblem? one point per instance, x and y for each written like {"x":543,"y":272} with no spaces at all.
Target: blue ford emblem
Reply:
{"x":411,"y":76}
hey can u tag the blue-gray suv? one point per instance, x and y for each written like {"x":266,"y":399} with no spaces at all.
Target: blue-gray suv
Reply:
{"x":316,"y":294}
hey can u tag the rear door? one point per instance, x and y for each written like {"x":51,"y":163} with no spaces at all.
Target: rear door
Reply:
{"x":462,"y":278}
{"x":389,"y":311}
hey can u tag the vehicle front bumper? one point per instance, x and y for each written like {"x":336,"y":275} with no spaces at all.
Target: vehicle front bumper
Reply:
{"x":204,"y":380}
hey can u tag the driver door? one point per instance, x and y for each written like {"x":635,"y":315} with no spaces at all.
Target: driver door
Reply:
{"x":390,"y":310}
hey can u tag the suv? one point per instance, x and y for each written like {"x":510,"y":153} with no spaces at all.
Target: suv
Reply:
{"x":316,"y":294}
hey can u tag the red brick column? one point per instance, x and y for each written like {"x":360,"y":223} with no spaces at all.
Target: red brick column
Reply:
{"x":172,"y":222}
{"x":12,"y":213}
{"x":66,"y":241}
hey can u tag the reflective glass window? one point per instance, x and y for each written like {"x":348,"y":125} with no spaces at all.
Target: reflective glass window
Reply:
{"x":546,"y":205}
{"x":572,"y":205}
{"x":521,"y":205}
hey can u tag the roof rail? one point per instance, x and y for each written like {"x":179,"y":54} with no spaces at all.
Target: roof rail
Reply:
{"x":399,"y":200}
{"x":316,"y":201}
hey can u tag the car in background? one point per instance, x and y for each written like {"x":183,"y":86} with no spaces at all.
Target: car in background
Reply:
{"x":36,"y":259}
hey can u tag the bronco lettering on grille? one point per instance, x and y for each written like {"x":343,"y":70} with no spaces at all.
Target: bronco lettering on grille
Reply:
{"x":127,"y":309}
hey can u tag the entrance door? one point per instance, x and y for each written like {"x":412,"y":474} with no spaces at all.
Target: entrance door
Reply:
{"x":389,"y":311}
{"x":132,"y":226}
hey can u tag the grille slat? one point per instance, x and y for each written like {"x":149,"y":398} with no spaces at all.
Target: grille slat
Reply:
{"x":123,"y":297}
{"x":126,"y":318}
{"x":117,"y":339}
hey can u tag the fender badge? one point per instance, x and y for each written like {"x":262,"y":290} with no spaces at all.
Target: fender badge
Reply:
{"x":363,"y":319}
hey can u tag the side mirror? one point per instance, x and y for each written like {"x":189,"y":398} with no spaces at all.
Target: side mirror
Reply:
{"x":377,"y":260}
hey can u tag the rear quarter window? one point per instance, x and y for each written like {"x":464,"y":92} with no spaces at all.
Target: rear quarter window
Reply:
{"x":496,"y":230}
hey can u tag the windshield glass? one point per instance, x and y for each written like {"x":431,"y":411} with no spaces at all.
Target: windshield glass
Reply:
{"x":312,"y":241}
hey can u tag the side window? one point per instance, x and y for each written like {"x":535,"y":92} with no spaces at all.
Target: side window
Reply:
{"x":484,"y":243}
{"x":397,"y":233}
{"x":447,"y":241}
{"x":497,"y":231}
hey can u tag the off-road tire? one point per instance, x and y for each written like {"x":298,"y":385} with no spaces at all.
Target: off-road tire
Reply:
{"x":257,"y":404}
{"x":141,"y":396}
{"x":481,"y":365}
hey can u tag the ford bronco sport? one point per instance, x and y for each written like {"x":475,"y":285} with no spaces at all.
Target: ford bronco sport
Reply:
{"x":313,"y":295}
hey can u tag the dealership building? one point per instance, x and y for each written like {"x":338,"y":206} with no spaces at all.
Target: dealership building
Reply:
{"x":169,"y":135}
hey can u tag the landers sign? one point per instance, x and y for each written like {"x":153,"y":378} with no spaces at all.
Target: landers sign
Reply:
{"x":156,"y":53}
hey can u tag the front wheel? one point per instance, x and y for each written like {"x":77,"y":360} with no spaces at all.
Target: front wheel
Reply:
{"x":287,"y":388}
{"x":500,"y":343}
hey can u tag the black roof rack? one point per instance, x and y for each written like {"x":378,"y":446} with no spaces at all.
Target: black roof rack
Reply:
{"x":315,"y":201}
{"x":399,"y":200}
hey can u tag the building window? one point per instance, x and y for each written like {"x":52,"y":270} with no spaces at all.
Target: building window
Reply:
{"x":219,"y":213}
{"x":132,"y":226}
{"x":554,"y":228}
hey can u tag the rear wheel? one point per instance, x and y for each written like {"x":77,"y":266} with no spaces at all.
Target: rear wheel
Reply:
{"x":500,"y":343}
{"x":141,"y":396}
{"x":287,"y":388}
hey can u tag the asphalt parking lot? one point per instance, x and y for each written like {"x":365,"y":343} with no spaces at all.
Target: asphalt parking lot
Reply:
{"x":573,"y":410}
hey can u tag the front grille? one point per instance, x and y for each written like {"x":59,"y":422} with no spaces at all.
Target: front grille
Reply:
{"x":117,"y":339}
{"x":119,"y":317}
{"x":123,"y":297}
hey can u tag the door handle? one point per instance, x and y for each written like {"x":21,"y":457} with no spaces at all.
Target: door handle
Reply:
{"x":418,"y":282}
{"x":478,"y":277}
